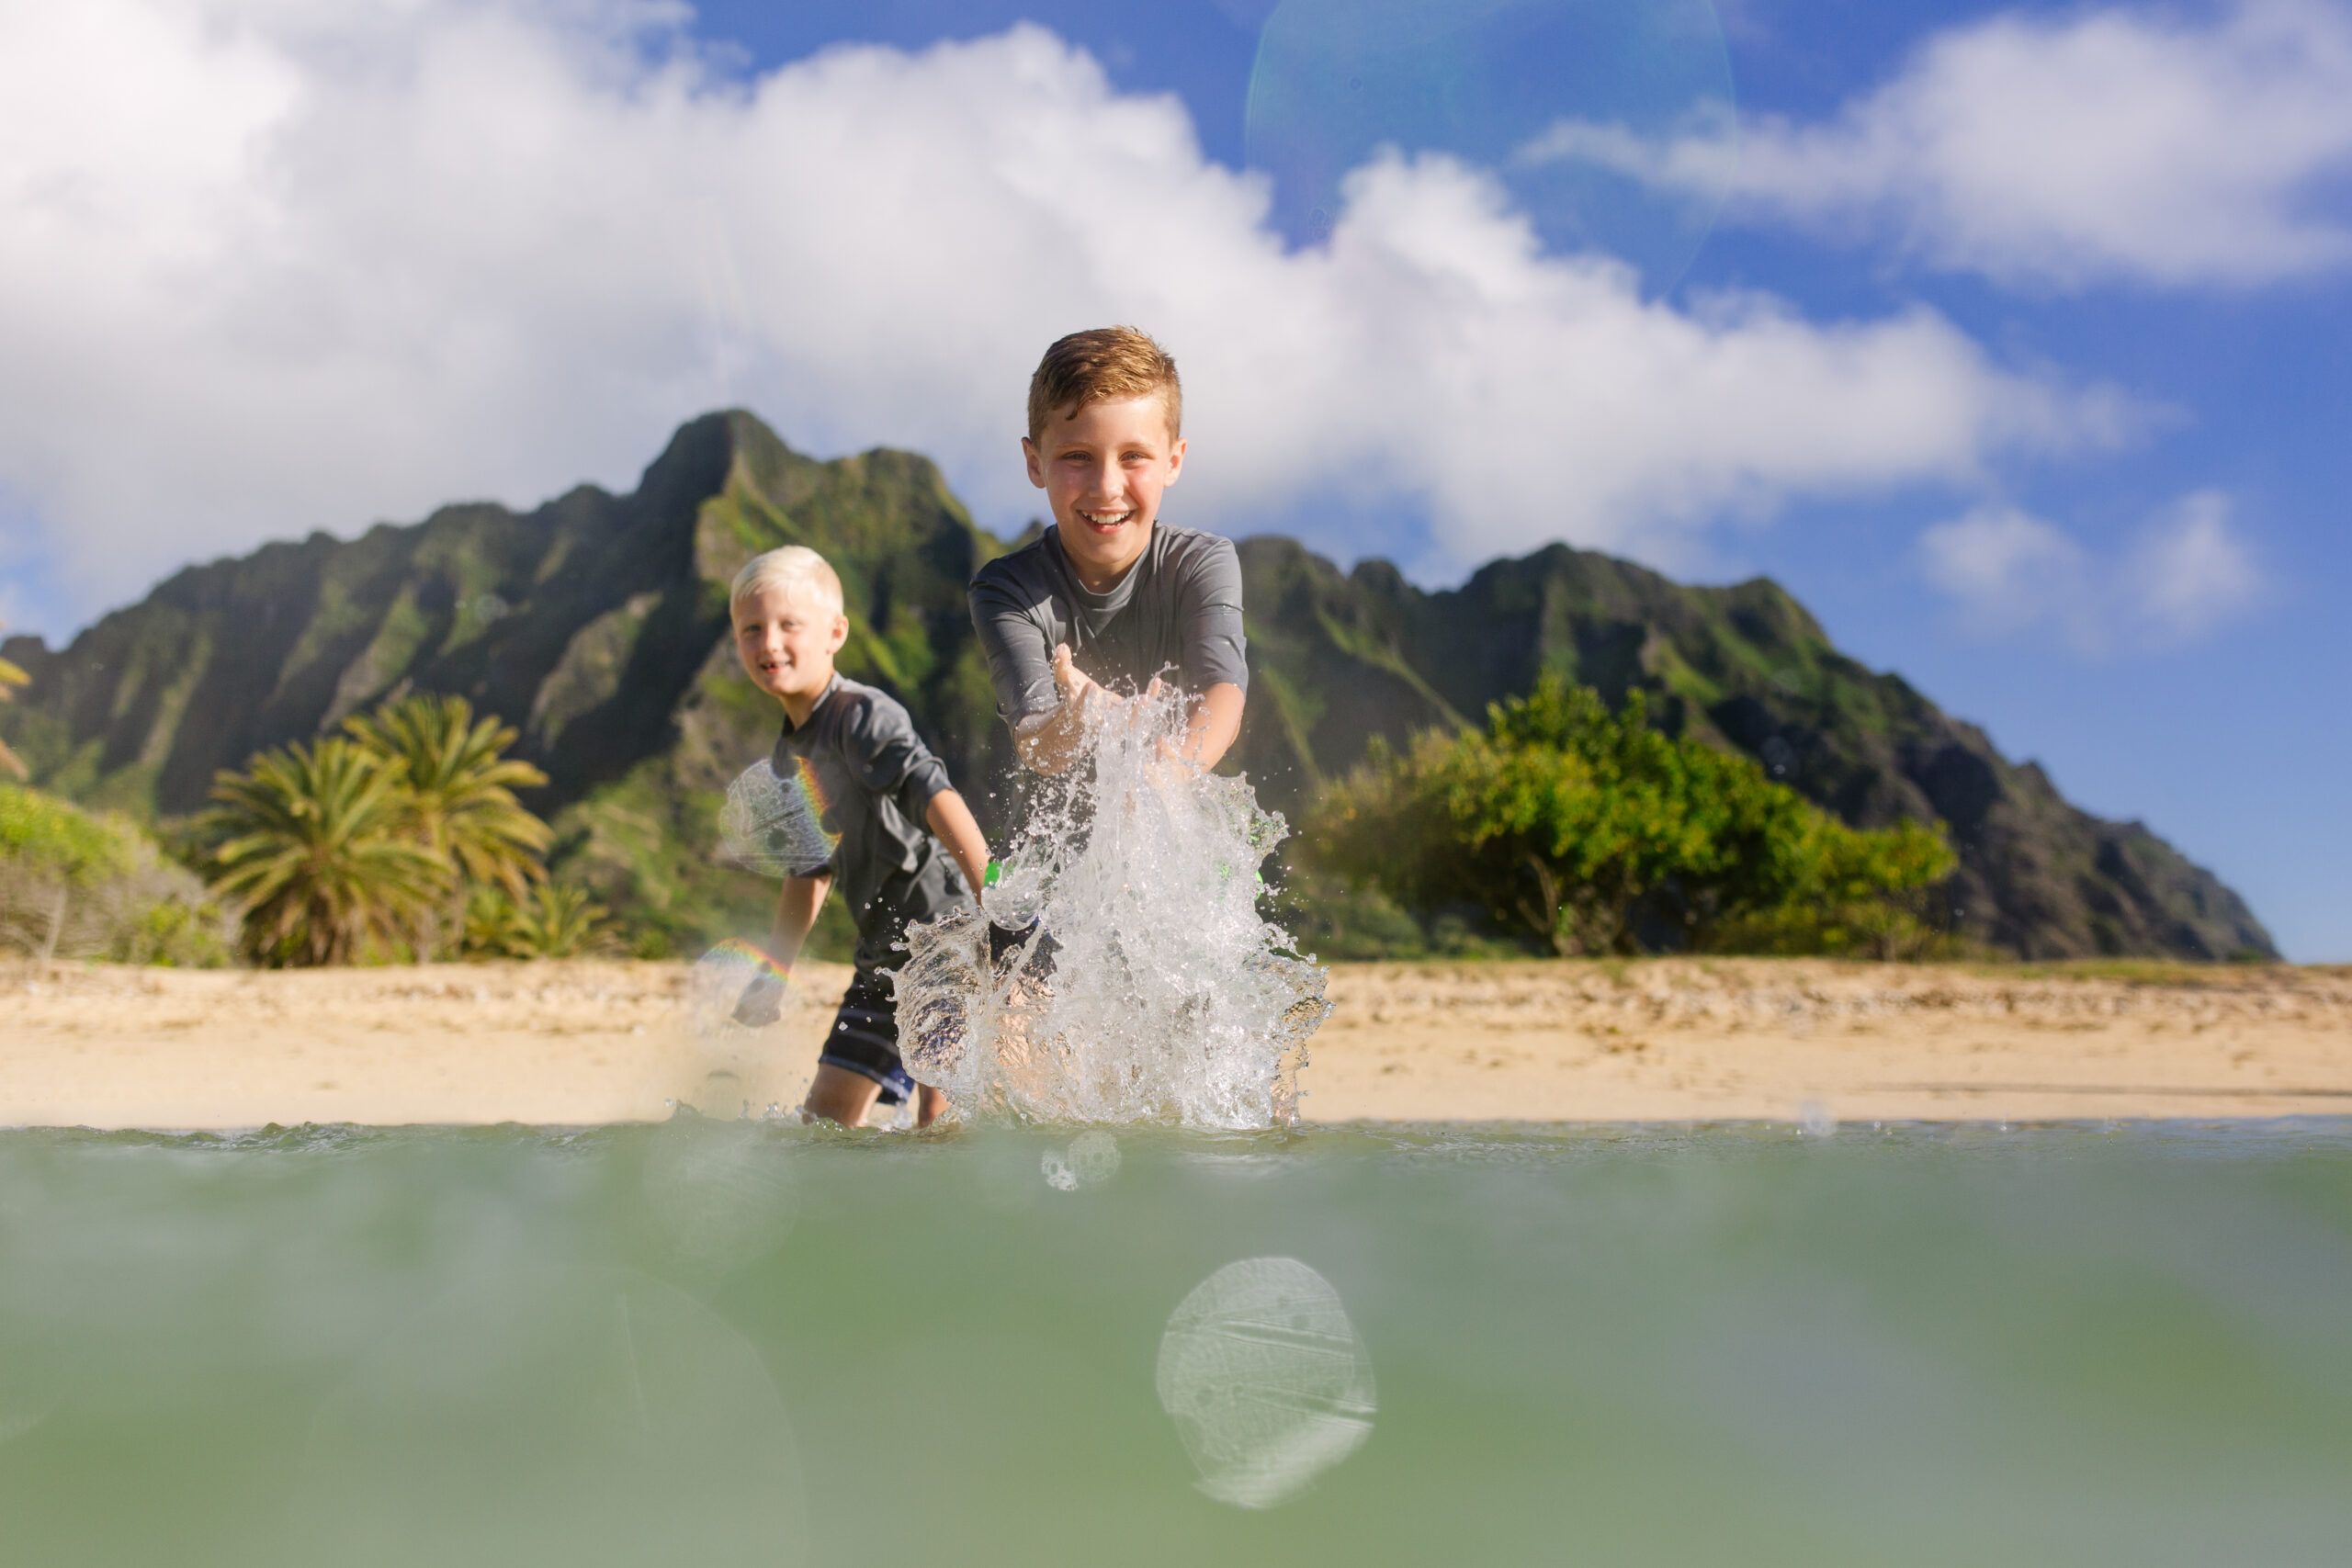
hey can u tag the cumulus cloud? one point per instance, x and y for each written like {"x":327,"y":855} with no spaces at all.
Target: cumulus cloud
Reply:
{"x":2115,"y":144}
{"x":2185,"y":573}
{"x":278,"y":265}
{"x":2006,"y":569}
{"x":2190,"y":572}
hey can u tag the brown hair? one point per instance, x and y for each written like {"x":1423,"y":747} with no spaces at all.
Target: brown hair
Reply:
{"x":1106,"y":362}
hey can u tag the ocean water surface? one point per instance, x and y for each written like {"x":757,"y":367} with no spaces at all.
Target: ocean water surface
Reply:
{"x":711,"y":1342}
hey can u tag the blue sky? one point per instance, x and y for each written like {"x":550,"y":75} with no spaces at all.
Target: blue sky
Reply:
{"x":2016,"y":350}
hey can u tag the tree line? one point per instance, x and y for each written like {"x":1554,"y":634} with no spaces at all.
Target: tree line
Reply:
{"x":400,"y":838}
{"x":1584,"y":831}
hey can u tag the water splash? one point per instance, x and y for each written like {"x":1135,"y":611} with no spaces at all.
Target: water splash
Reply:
{"x":1130,"y":976}
{"x":1265,"y":1379}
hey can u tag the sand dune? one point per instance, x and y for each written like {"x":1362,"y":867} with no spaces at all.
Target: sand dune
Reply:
{"x":591,"y":1041}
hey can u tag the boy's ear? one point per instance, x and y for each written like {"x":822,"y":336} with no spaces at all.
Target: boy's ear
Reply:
{"x":1036,"y":465}
{"x":838,"y":635}
{"x":1175,"y":459}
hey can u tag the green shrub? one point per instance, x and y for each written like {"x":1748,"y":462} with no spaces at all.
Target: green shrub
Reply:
{"x":80,"y":884}
{"x":549,"y":921}
{"x":1589,"y":828}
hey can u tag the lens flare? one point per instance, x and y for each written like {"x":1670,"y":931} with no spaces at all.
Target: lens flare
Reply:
{"x":1607,"y":122}
{"x":777,"y":826}
{"x":1265,"y":1379}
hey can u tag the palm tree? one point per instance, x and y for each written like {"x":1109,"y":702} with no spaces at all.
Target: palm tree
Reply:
{"x":460,"y":790}
{"x":10,"y":676}
{"x":317,"y":845}
{"x":461,"y":797}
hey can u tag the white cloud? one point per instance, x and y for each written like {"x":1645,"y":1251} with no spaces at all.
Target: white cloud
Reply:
{"x":2115,"y":144}
{"x":2191,"y":572}
{"x":2185,"y":574}
{"x":2006,"y":569}
{"x":267,"y":265}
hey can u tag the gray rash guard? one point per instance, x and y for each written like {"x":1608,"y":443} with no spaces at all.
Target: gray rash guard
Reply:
{"x":868,"y":780}
{"x":1178,"y":608}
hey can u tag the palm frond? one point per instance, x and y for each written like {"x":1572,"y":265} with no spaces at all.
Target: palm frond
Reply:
{"x":314,"y":843}
{"x":460,"y":786}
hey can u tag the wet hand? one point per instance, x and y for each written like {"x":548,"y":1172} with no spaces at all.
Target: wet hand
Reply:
{"x":1075,"y":684}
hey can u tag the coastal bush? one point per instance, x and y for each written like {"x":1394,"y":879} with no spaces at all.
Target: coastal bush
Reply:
{"x":1340,"y":920}
{"x":83,"y":886}
{"x":551,"y":919}
{"x":1600,"y":834}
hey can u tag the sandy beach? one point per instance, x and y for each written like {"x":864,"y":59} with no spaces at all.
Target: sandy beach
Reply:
{"x":1664,"y":1039}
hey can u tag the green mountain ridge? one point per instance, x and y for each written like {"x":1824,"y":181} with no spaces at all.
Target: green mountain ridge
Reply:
{"x":597,"y":625}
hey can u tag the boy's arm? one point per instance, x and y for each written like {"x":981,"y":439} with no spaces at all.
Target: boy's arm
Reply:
{"x":796,"y":913}
{"x":1214,"y":724}
{"x":948,"y":817}
{"x":1216,"y":655}
{"x":1032,"y":680}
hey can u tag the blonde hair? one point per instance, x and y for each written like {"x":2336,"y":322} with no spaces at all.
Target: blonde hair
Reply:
{"x":1105,"y":362}
{"x":792,"y":568}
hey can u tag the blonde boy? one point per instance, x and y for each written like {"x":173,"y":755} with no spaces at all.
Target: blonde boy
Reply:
{"x":849,"y":756}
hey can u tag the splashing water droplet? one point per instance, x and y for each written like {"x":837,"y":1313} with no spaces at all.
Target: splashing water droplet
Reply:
{"x":1265,"y":1379}
{"x":1094,"y":1157}
{"x":1091,"y":1160}
{"x":1816,"y":1120}
{"x":1122,"y":972}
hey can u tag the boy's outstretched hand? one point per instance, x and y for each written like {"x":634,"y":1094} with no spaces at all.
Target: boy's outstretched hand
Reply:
{"x":1077,"y":687}
{"x":1050,"y":743}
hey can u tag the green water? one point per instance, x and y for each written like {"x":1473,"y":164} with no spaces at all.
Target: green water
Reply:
{"x":709,"y":1344}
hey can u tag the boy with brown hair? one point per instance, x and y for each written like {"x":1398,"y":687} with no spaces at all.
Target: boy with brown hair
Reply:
{"x":1108,"y":599}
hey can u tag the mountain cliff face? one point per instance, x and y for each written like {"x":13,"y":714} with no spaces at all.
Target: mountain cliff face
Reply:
{"x":597,"y":625}
{"x":1341,"y":658}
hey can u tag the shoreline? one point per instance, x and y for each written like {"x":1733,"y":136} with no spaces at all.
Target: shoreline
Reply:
{"x":1667,"y":1040}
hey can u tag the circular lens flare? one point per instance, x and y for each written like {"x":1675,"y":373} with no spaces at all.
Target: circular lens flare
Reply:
{"x":1608,"y":123}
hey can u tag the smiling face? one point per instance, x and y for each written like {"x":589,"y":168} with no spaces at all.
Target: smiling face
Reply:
{"x":787,"y":634}
{"x":1103,"y":467}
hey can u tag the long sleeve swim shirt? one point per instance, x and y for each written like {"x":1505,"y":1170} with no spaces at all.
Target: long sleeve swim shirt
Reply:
{"x":1176,"y":612}
{"x":859,"y":773}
